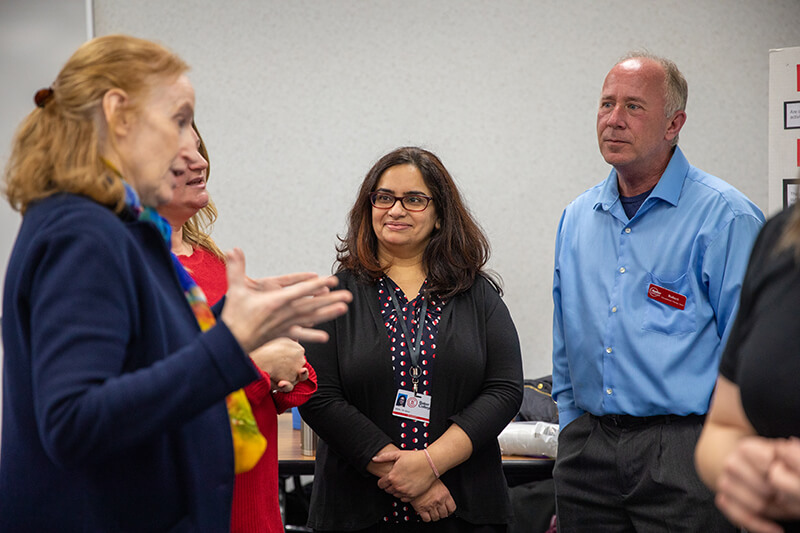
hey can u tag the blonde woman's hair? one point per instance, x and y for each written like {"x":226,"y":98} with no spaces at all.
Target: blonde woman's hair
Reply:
{"x":196,"y":230}
{"x":56,"y":148}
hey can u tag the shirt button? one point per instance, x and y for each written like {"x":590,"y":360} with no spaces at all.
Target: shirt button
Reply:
{"x":627,"y":230}
{"x":609,"y":350}
{"x":609,"y":391}
{"x":614,"y":309}
{"x":621,"y":270}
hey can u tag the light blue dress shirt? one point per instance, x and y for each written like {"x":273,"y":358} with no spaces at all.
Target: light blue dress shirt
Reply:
{"x":618,"y":351}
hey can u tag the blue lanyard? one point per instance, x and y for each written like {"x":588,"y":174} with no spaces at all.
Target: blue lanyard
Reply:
{"x":413,"y":351}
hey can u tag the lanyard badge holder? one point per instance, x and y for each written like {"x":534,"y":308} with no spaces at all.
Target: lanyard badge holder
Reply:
{"x":410,"y":404}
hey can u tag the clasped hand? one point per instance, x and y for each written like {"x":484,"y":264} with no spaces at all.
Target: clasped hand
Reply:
{"x":284,"y":360}
{"x":410,"y":476}
{"x":760,"y":484}
{"x":412,"y":480}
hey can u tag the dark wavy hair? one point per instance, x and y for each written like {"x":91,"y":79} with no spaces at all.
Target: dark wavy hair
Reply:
{"x":457,"y":251}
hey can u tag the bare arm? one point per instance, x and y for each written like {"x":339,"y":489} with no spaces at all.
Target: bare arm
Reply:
{"x":725,"y":426}
{"x":735,"y":463}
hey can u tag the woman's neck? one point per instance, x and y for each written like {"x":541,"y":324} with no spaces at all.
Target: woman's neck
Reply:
{"x":177,"y":244}
{"x":409,"y":276}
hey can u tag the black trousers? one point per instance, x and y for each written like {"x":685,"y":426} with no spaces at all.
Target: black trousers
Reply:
{"x":616,"y":474}
{"x":451,"y":524}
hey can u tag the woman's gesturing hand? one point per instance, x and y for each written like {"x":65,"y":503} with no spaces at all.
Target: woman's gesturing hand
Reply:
{"x":258,"y":311}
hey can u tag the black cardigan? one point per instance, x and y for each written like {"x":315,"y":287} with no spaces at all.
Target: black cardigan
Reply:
{"x":478,"y":385}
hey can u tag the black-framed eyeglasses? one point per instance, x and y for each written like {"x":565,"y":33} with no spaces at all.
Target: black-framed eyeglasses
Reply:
{"x":410,"y":202}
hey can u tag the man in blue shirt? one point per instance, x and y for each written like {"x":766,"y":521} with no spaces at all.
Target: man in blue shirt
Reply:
{"x":648,"y":267}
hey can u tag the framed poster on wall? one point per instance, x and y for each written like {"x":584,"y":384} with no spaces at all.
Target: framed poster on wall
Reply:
{"x":790,"y":190}
{"x":791,"y":115}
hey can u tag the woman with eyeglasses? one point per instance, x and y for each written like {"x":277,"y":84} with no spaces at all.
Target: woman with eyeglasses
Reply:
{"x":427,"y":324}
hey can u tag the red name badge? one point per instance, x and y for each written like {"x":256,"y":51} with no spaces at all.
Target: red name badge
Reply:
{"x":666,"y":296}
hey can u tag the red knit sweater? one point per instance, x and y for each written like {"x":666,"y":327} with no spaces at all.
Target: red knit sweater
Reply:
{"x":255,"y":493}
{"x":208,"y":271}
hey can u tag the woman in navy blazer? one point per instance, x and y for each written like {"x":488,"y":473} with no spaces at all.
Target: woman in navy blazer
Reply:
{"x":114,"y":411}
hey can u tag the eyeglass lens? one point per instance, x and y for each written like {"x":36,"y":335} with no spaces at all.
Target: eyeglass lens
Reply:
{"x":411,"y":202}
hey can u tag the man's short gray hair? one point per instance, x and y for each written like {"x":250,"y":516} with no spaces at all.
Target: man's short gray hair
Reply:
{"x":676,"y":90}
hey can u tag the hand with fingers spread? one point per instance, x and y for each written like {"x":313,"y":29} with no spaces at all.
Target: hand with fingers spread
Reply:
{"x":284,"y":360}
{"x":258,"y":311}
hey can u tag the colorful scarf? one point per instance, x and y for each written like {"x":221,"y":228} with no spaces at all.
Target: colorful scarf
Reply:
{"x":248,"y":442}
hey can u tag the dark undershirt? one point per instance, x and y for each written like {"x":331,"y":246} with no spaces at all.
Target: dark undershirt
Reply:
{"x":631,"y":204}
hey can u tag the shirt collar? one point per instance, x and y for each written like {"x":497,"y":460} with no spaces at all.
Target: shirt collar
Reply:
{"x":668,"y":187}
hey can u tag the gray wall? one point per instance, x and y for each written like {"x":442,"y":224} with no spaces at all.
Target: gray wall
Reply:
{"x":297,"y":99}
{"x":36,"y":38}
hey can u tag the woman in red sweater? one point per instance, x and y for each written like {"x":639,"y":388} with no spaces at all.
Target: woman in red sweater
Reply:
{"x":190,"y":214}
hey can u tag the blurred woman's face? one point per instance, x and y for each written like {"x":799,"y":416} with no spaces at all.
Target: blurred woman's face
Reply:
{"x":189,"y":195}
{"x":158,"y":132}
{"x":400,"y":232}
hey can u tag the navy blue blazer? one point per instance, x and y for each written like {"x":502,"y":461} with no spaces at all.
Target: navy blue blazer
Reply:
{"x":114,"y":416}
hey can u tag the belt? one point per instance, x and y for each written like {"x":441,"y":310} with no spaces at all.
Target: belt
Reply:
{"x":629,"y":421}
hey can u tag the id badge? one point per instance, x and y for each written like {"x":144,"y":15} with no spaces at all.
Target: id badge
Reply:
{"x":666,"y":296}
{"x":412,"y":406}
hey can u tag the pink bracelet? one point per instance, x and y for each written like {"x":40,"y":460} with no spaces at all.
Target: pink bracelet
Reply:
{"x":430,"y":462}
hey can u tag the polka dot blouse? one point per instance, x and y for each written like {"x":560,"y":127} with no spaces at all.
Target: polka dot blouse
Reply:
{"x":413,"y":433}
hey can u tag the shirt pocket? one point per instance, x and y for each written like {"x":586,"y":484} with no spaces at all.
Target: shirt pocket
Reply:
{"x":664,"y":318}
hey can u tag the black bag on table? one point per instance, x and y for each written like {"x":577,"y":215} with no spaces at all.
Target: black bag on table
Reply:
{"x":537,"y":402}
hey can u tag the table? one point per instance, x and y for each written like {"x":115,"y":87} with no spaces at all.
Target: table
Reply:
{"x":291,"y":461}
